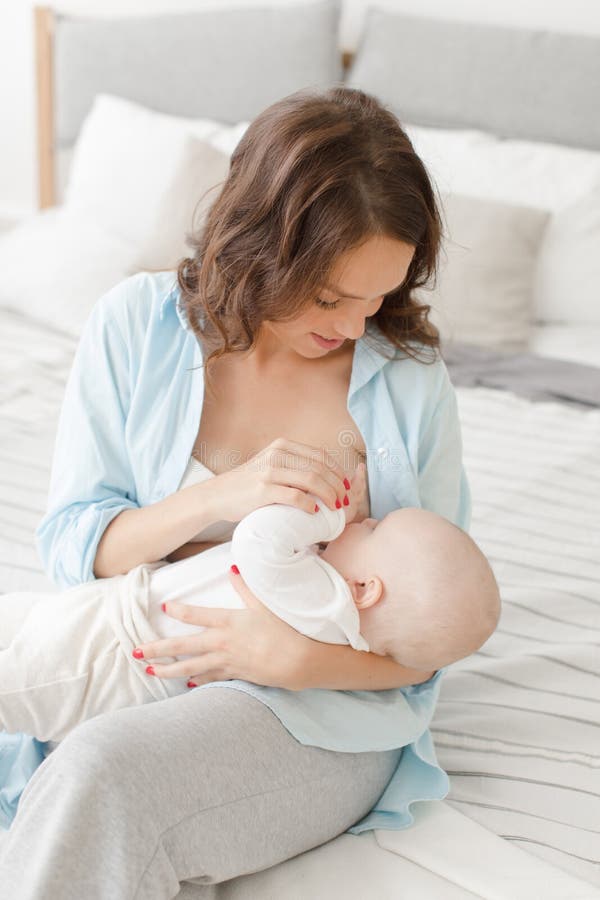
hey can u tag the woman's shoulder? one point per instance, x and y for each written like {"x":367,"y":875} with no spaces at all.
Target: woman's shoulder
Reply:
{"x":143,"y":293}
{"x":141,"y":305}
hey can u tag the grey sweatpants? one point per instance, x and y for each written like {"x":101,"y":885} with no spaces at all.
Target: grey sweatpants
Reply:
{"x":202,"y":787}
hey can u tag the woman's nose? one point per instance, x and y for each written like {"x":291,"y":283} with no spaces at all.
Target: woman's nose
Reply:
{"x":352,"y":325}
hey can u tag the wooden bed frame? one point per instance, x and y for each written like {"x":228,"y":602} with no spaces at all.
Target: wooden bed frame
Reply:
{"x":44,"y":65}
{"x":44,"y":29}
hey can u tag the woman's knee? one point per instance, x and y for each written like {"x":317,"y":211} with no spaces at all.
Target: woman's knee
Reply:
{"x":140,"y":757}
{"x":98,"y":763}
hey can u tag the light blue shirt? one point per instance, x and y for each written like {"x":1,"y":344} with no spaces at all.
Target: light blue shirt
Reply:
{"x":127,"y":427}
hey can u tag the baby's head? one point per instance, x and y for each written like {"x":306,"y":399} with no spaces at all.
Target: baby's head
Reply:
{"x":425,"y":593}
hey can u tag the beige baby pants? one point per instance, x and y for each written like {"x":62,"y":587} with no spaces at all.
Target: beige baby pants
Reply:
{"x":66,"y":657}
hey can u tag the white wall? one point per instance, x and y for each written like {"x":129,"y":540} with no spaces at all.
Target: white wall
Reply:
{"x":18,"y":187}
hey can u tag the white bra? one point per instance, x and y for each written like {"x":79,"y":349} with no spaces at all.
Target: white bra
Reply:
{"x":218,"y":531}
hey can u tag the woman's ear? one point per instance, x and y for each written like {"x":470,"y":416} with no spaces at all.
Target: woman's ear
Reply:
{"x":368,"y":593}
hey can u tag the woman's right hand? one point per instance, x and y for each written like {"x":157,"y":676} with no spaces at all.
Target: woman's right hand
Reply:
{"x":283,"y":472}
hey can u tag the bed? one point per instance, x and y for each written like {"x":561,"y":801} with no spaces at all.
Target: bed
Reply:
{"x":517,"y":725}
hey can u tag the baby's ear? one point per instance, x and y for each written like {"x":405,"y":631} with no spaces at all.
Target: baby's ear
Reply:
{"x":368,"y":593}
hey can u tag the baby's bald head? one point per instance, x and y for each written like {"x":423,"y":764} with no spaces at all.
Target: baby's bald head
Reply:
{"x":437,"y":600}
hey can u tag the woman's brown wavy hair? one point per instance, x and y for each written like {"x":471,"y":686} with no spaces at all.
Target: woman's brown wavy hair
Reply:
{"x":314,"y":175}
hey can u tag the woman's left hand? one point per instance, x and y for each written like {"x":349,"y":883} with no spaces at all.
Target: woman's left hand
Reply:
{"x":252,"y":644}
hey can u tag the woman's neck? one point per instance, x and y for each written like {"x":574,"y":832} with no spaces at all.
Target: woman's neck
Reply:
{"x":271,"y":355}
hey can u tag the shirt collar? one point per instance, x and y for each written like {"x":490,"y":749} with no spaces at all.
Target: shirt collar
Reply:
{"x":368,"y":358}
{"x":174,"y":296}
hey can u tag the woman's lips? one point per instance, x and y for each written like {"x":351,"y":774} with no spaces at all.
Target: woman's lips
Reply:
{"x":325,"y":343}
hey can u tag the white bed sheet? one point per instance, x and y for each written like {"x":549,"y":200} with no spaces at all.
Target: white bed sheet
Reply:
{"x":517,"y":723}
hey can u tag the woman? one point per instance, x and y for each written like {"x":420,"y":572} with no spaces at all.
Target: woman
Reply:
{"x":297,"y":310}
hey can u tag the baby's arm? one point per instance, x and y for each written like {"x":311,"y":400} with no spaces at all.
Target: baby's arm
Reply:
{"x":271,"y":547}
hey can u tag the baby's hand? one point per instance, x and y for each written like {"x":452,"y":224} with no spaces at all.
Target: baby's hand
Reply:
{"x":358,"y":487}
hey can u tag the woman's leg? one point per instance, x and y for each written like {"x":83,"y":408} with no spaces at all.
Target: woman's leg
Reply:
{"x":205,"y":787}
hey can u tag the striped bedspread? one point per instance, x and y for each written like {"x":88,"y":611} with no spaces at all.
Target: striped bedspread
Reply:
{"x":518,"y":723}
{"x":34,"y":365}
{"x":517,"y":726}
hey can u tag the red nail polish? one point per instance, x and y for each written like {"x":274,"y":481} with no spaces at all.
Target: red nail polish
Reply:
{"x":149,"y":670}
{"x":316,"y":507}
{"x":235,"y":570}
{"x":139,"y":654}
{"x":338,"y":505}
{"x":192,"y":684}
{"x":346,"y":484}
{"x":163,"y":606}
{"x":346,"y":501}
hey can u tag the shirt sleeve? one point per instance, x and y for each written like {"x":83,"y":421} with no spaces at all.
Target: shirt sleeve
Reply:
{"x":91,"y":480}
{"x":272,"y":548}
{"x":443,"y":484}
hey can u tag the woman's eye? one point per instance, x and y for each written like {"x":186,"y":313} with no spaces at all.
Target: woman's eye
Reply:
{"x":325,"y":305}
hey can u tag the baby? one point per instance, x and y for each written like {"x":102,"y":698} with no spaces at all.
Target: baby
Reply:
{"x":412,"y":586}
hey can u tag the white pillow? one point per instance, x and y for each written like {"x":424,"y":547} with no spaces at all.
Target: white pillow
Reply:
{"x":567,"y":279}
{"x":195,"y":186}
{"x":562,"y":180}
{"x":484,"y":289}
{"x":478,"y":164}
{"x":126,"y":160}
{"x":56,"y":264}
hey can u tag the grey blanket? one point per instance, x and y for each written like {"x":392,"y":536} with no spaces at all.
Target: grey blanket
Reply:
{"x":526,"y":374}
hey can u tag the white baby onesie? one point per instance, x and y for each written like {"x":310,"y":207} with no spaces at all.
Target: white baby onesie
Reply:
{"x":68,"y":657}
{"x":274,"y":549}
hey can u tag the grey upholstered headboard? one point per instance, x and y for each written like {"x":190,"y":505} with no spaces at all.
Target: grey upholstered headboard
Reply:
{"x":514,"y":83}
{"x":225,"y":64}
{"x":228,"y":64}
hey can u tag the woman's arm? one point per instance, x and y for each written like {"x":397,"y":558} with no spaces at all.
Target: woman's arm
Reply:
{"x":153,"y":532}
{"x":94,"y":526}
{"x":91,"y":480}
{"x":340,"y":667}
{"x":256,"y":645}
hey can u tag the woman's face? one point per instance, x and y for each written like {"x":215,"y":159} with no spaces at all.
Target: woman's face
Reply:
{"x":365,"y":274}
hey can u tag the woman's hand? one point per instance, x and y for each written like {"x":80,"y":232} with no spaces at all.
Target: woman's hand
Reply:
{"x":252,"y":644}
{"x":284,"y":472}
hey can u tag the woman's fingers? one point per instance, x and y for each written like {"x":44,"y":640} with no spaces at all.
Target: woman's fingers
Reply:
{"x":314,"y":453}
{"x":294,"y":487}
{"x":282,"y":464}
{"x":209,"y":616}
{"x":307,"y":467}
{"x":307,"y":475}
{"x":209,"y":622}
{"x":249,"y":599}
{"x":197,"y":669}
